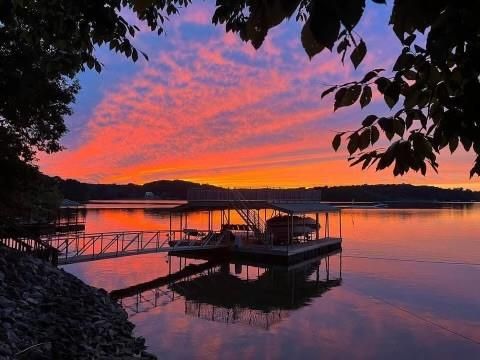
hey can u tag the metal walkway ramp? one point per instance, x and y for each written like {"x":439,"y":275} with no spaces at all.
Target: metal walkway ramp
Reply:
{"x":74,"y":248}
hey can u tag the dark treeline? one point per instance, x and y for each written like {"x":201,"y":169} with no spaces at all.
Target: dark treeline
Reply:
{"x":162,"y":189}
{"x":403,"y":192}
{"x":178,"y":189}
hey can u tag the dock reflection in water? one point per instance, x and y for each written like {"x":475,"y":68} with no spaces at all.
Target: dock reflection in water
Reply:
{"x":407,"y":276}
{"x":258,"y":296}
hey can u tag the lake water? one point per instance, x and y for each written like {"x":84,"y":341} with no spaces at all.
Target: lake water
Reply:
{"x":409,"y":289}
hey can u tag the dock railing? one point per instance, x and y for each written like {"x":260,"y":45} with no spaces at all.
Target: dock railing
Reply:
{"x":33,"y":246}
{"x":79,"y":247}
{"x":271,"y":195}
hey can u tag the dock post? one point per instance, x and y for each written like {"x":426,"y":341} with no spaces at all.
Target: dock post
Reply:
{"x":340,"y":265}
{"x":316,"y":226}
{"x":326,"y":224}
{"x":304,"y":233}
{"x":291,"y":228}
{"x":288,"y":231}
{"x":340,"y":216}
{"x":181,"y":225}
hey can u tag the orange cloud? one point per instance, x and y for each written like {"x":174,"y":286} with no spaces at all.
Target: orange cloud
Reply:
{"x":218,"y":111}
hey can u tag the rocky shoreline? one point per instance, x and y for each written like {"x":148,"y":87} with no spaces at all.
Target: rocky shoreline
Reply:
{"x":47,"y":313}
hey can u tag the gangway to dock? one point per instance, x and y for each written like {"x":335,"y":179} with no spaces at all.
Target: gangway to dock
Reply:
{"x":81,"y":247}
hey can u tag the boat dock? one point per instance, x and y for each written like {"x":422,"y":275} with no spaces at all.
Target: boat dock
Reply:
{"x":269,"y":226}
{"x":276,"y":226}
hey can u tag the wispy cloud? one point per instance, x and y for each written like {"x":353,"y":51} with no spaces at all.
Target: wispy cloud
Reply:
{"x":208,"y":107}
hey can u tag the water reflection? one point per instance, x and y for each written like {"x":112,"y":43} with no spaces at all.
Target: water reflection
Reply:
{"x":237,"y":293}
{"x":355,"y":320}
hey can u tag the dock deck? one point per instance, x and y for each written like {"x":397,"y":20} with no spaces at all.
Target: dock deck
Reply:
{"x":287,"y":255}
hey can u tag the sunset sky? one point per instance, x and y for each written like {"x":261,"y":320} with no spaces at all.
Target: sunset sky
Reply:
{"x":209,"y":108}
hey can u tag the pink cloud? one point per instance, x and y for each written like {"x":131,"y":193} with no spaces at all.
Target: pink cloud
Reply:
{"x":203,"y":112}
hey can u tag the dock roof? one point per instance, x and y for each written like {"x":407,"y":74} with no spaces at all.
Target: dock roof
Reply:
{"x":290,"y":207}
{"x":304,"y":207}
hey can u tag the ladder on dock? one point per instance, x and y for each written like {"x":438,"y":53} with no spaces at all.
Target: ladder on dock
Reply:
{"x":251,"y":217}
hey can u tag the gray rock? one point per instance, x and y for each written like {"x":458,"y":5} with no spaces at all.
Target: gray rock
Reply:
{"x":40,"y":303}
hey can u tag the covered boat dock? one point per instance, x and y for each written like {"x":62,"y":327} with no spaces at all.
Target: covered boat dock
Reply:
{"x":276,"y":226}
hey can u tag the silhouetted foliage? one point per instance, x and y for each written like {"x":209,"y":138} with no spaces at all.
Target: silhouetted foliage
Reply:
{"x":43,"y":46}
{"x":431,"y":89}
{"x":27,"y":196}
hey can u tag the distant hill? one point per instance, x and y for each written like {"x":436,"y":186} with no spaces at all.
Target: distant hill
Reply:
{"x":402,"y":192}
{"x":178,"y":189}
{"x":162,"y":189}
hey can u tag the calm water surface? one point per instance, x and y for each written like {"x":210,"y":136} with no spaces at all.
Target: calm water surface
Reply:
{"x":409,"y":289}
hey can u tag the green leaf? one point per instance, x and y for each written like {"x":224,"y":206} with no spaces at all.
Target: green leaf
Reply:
{"x":387,"y":157}
{"x":98,"y":66}
{"x":352,"y":145}
{"x":404,"y":62}
{"x":350,"y":12}
{"x":364,"y":141}
{"x":347,"y":96}
{"x":399,"y":126}
{"x":409,"y":39}
{"x":392,"y":93}
{"x":466,"y":142}
{"x":324,"y":23}
{"x":358,"y":54}
{"x":382,"y":84}
{"x":311,"y":46}
{"x":339,"y":97}
{"x":328,"y":91}
{"x":141,"y":5}
{"x":145,"y":55}
{"x":386,"y":124}
{"x":366,"y":96}
{"x":410,"y":75}
{"x":390,"y":101}
{"x":90,"y":63}
{"x":375,"y":135}
{"x":336,"y":141}
{"x":369,"y":120}
{"x":366,"y":162}
{"x":453,"y":144}
{"x":369,"y":76}
{"x":342,"y":46}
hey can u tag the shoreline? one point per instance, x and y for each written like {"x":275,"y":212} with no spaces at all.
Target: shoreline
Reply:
{"x":47,"y":313}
